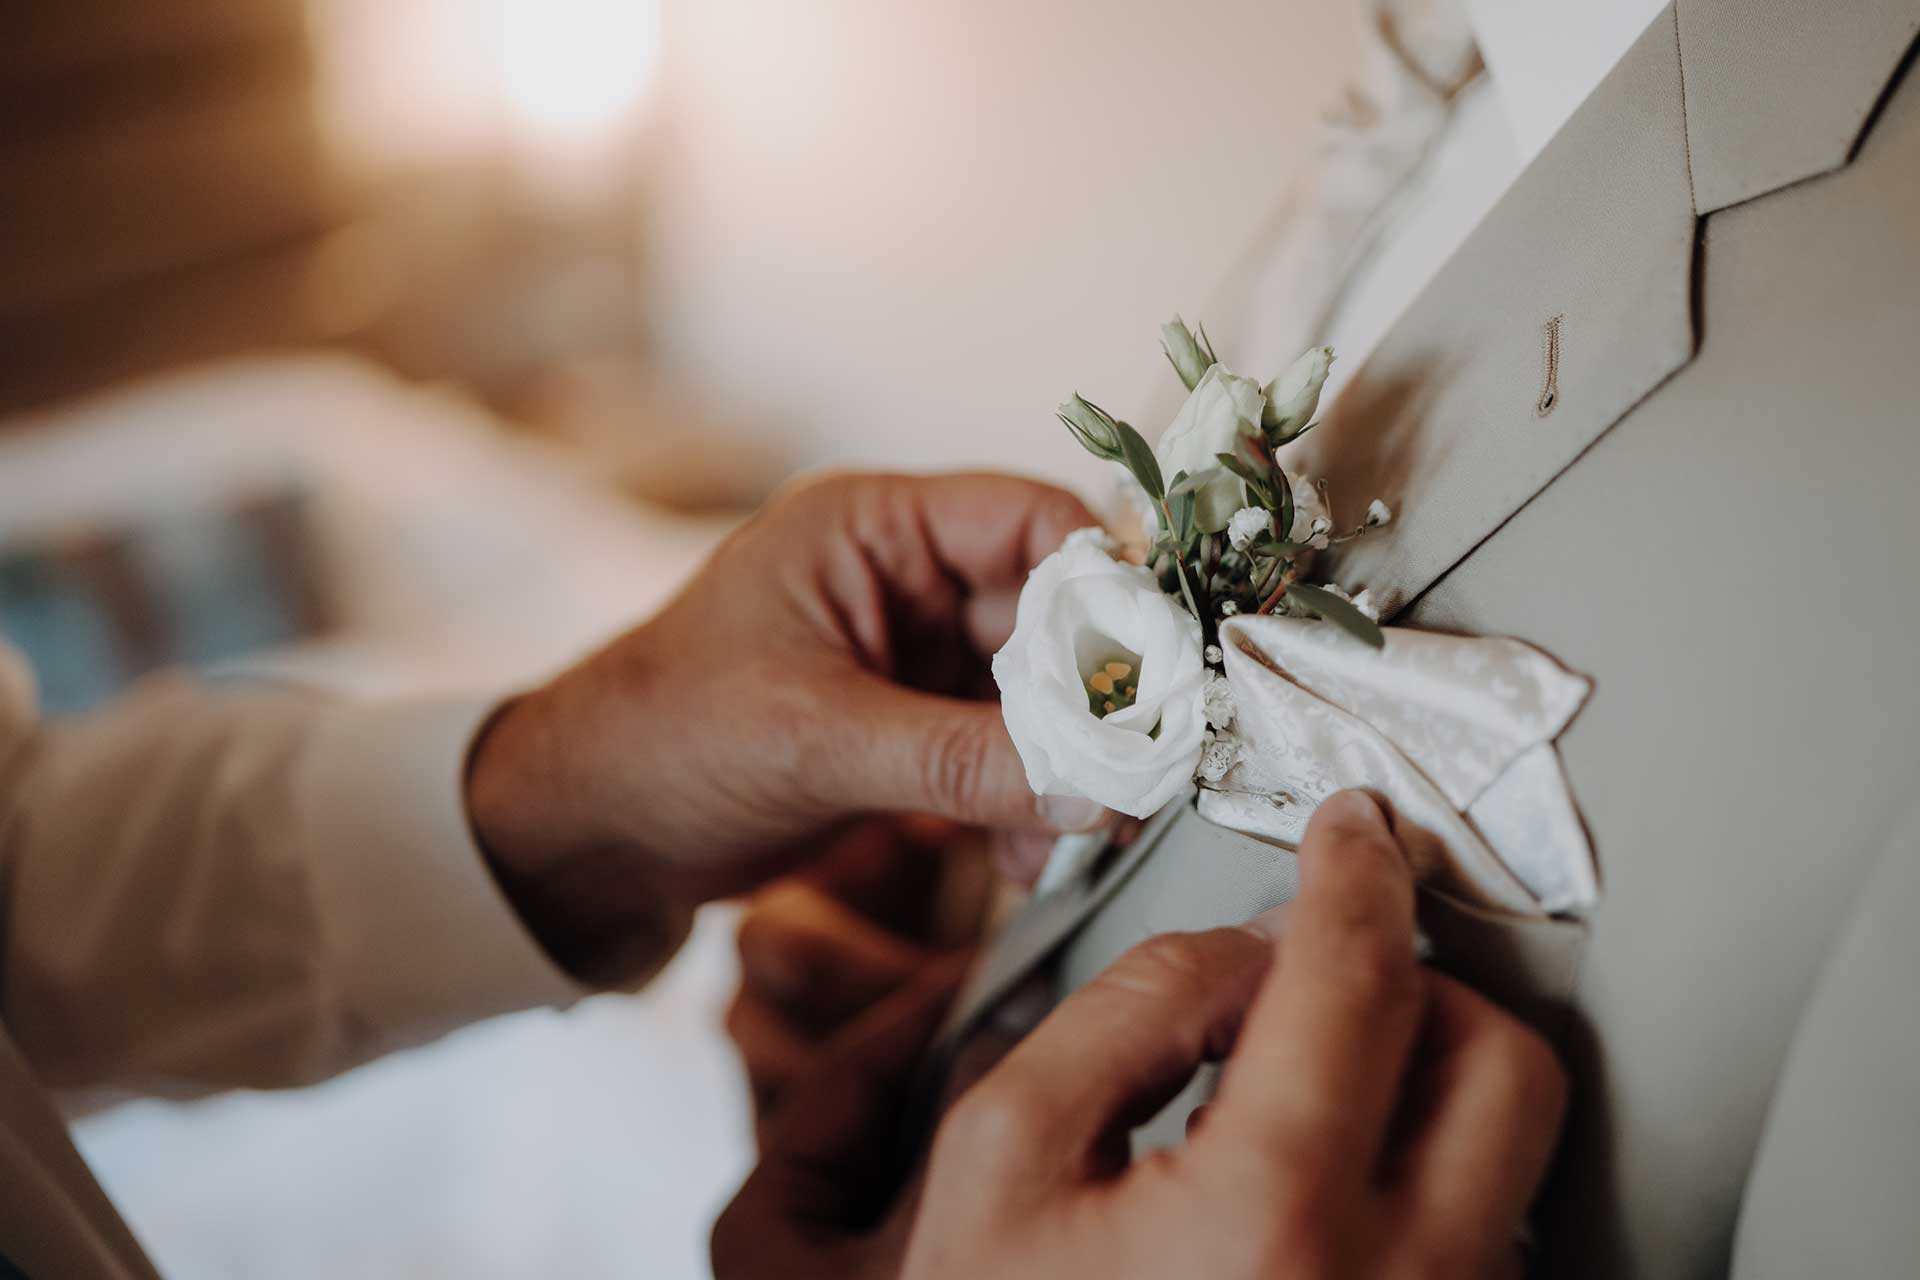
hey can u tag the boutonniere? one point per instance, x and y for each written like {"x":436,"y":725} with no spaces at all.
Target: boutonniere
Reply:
{"x":1113,"y":683}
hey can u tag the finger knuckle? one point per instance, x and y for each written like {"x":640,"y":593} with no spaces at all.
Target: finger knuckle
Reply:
{"x":1166,"y":967}
{"x":955,"y":764}
{"x":990,"y":1127}
{"x":1530,"y":1069}
{"x":759,"y":934}
{"x":775,"y":958}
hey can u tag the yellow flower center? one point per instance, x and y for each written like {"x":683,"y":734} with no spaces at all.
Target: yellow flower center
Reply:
{"x":1112,"y":686}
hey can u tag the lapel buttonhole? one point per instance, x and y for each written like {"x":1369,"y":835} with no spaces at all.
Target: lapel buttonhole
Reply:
{"x":1550,"y":356}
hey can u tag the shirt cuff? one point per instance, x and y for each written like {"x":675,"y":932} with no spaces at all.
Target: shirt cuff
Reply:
{"x":418,"y":935}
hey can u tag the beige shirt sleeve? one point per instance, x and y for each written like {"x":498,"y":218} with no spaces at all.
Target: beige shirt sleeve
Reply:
{"x":203,"y":889}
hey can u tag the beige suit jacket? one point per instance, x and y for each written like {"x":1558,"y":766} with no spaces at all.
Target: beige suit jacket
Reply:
{"x":201,"y":891}
{"x":1661,"y":417}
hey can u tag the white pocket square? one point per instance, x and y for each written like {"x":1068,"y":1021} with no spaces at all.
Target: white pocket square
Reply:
{"x":1456,"y":731}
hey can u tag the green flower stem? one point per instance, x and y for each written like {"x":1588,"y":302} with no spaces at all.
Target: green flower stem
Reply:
{"x":1265,"y":578}
{"x":1180,"y":565}
{"x":1272,"y":601}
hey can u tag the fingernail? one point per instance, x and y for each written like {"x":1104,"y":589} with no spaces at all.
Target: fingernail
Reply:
{"x":1071,"y":813}
{"x":1271,"y":923}
{"x":1356,"y":807}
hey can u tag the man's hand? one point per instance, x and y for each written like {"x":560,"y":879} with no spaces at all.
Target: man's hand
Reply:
{"x":884,"y":900}
{"x":826,"y":1199}
{"x":1375,"y":1118}
{"x":831,"y":660}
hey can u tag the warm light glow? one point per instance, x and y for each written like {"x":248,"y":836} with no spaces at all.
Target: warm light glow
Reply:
{"x":573,"y":66}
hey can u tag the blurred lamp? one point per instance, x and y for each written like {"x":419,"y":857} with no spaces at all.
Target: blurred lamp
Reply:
{"x":574,"y":67}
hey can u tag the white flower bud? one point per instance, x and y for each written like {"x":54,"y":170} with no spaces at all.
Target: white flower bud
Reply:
{"x":1293,"y":397}
{"x":1378,"y":513}
{"x":1092,"y":426}
{"x":1228,"y":608}
{"x":1190,"y":360}
{"x":1247,"y":524}
{"x":1214,"y":656}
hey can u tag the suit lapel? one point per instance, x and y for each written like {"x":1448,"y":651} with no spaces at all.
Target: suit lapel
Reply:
{"x":1574,"y":298}
{"x":1038,"y":930}
{"x":1563,"y":309}
{"x":1783,"y":90}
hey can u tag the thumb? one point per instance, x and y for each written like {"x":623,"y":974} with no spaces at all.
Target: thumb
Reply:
{"x":922,"y":753}
{"x":1114,"y":1052}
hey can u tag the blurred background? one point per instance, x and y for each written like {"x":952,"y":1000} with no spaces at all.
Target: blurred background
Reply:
{"x":409,"y":345}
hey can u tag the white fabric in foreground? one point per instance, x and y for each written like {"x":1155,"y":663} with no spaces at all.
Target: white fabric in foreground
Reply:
{"x":1456,"y":731}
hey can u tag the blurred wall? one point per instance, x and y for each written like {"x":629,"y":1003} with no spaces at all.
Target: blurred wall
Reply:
{"x":162,"y":191}
{"x":899,"y":233}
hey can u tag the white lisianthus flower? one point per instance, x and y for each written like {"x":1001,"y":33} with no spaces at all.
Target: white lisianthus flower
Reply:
{"x":1378,"y":513}
{"x":1217,"y":699}
{"x":1102,"y":683}
{"x":1247,"y":524}
{"x":1310,"y":526}
{"x":1221,"y":409}
{"x":1217,"y":757}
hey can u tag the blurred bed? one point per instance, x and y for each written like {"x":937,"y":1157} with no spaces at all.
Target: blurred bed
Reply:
{"x":444,"y":552}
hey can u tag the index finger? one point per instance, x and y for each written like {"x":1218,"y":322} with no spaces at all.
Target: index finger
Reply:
{"x":989,"y":529}
{"x":1317,"y":1070}
{"x":975,"y":531}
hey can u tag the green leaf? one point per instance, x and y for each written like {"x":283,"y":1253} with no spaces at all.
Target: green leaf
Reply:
{"x":1339,"y":612}
{"x":1206,"y":345}
{"x":1192,"y":483}
{"x":1283,"y":509}
{"x":1137,"y":456}
{"x":1180,"y":501}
